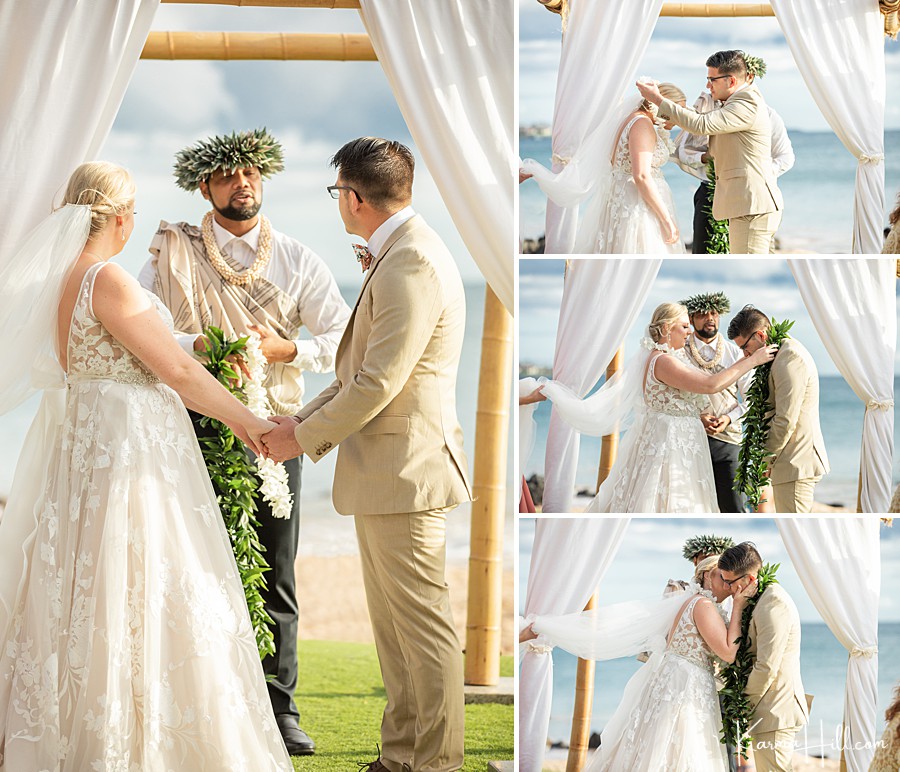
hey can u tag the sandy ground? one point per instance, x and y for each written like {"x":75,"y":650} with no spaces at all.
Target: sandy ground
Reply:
{"x":333,"y":602}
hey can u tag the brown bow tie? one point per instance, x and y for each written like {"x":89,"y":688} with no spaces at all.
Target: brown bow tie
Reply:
{"x":364,"y":256}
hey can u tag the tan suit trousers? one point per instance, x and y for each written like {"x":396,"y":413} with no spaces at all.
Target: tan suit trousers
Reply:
{"x":753,"y":234}
{"x":403,"y":560}
{"x":796,"y":495}
{"x":774,"y":751}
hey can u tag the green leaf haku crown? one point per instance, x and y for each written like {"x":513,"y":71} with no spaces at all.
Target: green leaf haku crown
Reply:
{"x":238,"y":150}
{"x":736,"y":710}
{"x":753,"y":458}
{"x":706,"y":545}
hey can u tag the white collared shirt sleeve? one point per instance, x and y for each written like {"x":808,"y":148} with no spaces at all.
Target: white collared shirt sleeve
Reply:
{"x":782,"y":150}
{"x":689,"y":148}
{"x":147,"y":279}
{"x":322,"y":310}
{"x":735,"y":355}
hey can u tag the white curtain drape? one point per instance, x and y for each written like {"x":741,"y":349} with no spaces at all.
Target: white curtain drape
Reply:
{"x":527,"y":424}
{"x":838,"y":46}
{"x":66,"y":65}
{"x":601,"y":300}
{"x":450,"y":65}
{"x":602,"y":47}
{"x":838,"y":561}
{"x":568,"y":560}
{"x":852,"y":305}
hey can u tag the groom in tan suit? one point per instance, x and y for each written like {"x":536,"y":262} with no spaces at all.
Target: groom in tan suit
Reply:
{"x":401,"y":466}
{"x":740,"y":142}
{"x":795,"y":436}
{"x":774,"y":687}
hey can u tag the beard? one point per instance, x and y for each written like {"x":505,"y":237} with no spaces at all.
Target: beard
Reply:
{"x":246,"y":211}
{"x":707,"y":334}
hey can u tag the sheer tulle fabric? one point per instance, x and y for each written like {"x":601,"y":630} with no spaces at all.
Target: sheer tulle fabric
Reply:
{"x":131,"y":647}
{"x":669,"y":716}
{"x":618,"y":220}
{"x":663,"y":464}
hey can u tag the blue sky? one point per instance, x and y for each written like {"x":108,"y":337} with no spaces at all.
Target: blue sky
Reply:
{"x":311,"y":107}
{"x":765,"y":282}
{"x":677,"y":53}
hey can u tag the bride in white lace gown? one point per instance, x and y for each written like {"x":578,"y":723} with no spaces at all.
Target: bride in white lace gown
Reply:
{"x":669,"y":716}
{"x":636,"y":209}
{"x":128,"y":644}
{"x":663,"y":463}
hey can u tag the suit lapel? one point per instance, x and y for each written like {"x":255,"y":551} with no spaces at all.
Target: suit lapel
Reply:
{"x":411,"y":223}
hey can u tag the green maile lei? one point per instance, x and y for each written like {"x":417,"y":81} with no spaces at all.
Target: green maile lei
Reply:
{"x":717,"y":230}
{"x":736,"y":710}
{"x":753,"y":458}
{"x":237,"y":488}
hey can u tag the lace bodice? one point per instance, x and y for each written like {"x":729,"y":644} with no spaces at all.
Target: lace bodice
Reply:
{"x":93,"y":353}
{"x":622,"y":157}
{"x":662,"y":398}
{"x":686,"y":640}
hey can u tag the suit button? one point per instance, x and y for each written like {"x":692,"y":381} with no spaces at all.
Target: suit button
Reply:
{"x":327,"y":446}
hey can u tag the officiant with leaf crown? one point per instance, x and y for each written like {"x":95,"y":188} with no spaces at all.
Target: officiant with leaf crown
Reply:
{"x":711,"y":352}
{"x":237,"y":273}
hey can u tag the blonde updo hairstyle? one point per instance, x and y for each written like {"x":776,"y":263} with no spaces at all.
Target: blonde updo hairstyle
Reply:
{"x":704,"y":567}
{"x":107,"y":189}
{"x":663,"y":318}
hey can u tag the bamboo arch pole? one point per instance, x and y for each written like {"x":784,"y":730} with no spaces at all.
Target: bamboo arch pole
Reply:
{"x":609,"y":446}
{"x":580,"y":735}
{"x":282,"y":46}
{"x":485,"y":603}
{"x":716,"y":10}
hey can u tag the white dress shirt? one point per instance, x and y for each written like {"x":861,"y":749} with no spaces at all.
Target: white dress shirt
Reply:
{"x":690,"y":147}
{"x":383,"y":232}
{"x":302,"y":274}
{"x":730,"y":355}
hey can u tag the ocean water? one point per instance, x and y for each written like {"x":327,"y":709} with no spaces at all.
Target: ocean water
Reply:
{"x":818,"y":192}
{"x":323,"y":531}
{"x":841,"y":414}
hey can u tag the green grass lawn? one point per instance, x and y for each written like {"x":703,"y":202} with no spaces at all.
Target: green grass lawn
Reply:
{"x":341,"y":698}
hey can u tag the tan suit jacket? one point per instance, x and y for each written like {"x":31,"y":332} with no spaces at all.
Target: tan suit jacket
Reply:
{"x":795,"y":436}
{"x":740,"y":141}
{"x":392,"y":408}
{"x":774,"y":687}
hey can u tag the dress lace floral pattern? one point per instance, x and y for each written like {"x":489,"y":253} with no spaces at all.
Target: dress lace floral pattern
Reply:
{"x":132,"y":647}
{"x":627,"y":225}
{"x":669,"y":717}
{"x":663,"y":463}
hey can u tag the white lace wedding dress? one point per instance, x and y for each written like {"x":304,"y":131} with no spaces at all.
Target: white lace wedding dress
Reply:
{"x":663,"y":464}
{"x":131,"y":646}
{"x":626,"y":225}
{"x":669,"y":717}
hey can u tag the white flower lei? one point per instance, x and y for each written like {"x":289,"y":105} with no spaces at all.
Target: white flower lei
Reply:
{"x":274,"y":487}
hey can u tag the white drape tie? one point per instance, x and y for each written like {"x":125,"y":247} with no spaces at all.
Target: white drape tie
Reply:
{"x":538,"y":648}
{"x":868,"y":652}
{"x":871,"y":159}
{"x":561,"y":160}
{"x":874,"y":404}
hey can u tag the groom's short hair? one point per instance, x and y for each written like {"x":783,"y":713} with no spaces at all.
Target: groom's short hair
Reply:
{"x":747,"y":321}
{"x":728,"y":62}
{"x":380,"y":169}
{"x":741,"y":559}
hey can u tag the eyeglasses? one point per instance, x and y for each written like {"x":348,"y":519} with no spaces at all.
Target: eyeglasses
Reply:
{"x":730,"y":582}
{"x":335,"y":191}
{"x":747,"y":342}
{"x":718,"y":77}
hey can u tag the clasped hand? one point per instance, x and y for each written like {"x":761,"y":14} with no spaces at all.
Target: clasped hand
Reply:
{"x":279,"y":443}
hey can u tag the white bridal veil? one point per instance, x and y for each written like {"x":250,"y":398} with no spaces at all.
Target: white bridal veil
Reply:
{"x":31,"y":282}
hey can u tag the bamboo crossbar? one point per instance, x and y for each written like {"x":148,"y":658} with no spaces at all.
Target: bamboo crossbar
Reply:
{"x":272,"y":3}
{"x":283,"y":46}
{"x":716,"y":10}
